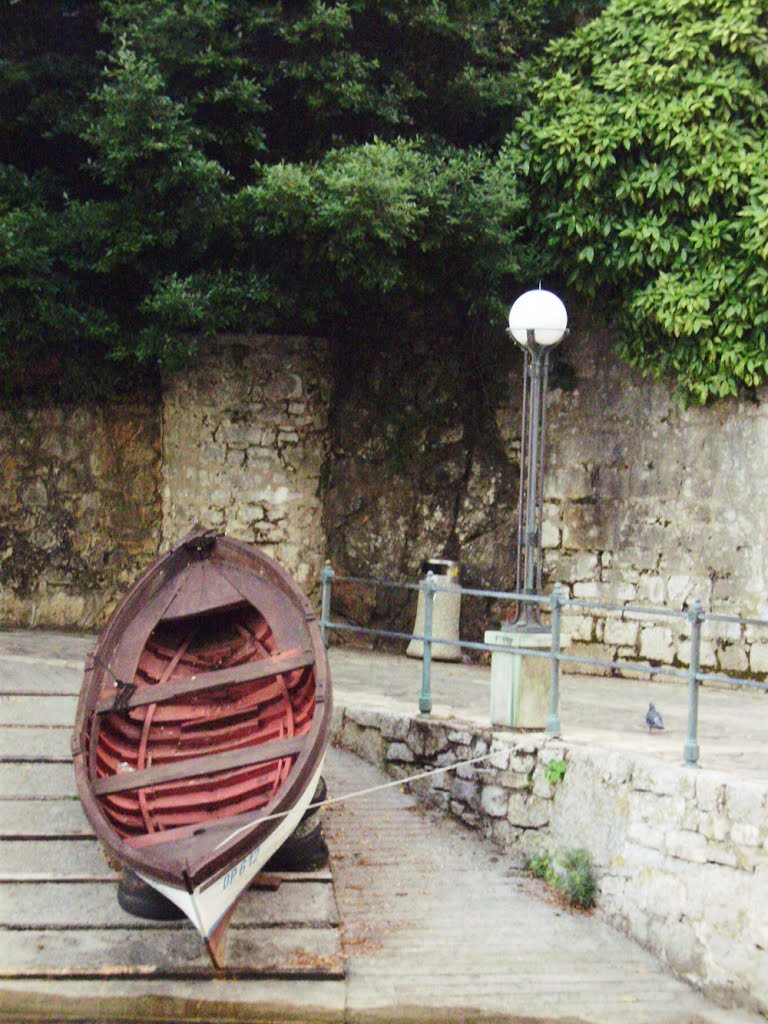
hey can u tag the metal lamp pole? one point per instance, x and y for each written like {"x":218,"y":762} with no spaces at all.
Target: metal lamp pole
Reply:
{"x":537,"y":321}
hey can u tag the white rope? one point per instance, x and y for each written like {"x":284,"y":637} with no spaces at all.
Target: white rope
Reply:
{"x":361,"y":792}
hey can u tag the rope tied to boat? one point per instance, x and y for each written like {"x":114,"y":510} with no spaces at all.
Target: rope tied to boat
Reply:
{"x":366,"y":792}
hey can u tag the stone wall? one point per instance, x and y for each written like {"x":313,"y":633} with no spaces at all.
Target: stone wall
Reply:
{"x":244,"y":446}
{"x":645,"y":503}
{"x":650,"y":504}
{"x":78,"y":509}
{"x":91,"y":493}
{"x":681,"y":854}
{"x":381,"y":462}
{"x":418,"y":468}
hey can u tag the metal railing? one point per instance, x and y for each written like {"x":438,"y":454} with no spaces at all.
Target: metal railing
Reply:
{"x":556,"y":602}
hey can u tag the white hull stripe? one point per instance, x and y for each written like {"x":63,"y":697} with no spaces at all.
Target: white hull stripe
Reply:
{"x":209,"y":903}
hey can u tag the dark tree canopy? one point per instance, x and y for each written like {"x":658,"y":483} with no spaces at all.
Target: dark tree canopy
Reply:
{"x":177,"y":167}
{"x":174,"y":168}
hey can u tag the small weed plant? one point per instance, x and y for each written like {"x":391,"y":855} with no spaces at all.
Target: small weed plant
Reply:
{"x":570,"y":875}
{"x":555,"y":771}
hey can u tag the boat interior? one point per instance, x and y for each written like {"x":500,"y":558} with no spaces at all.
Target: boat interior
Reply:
{"x":209,"y":728}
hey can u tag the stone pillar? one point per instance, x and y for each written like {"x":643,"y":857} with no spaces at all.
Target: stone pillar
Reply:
{"x":244,"y":443}
{"x":519,"y":682}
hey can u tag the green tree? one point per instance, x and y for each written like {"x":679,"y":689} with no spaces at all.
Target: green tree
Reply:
{"x":220,"y":164}
{"x":47,"y":70}
{"x":647,"y":144}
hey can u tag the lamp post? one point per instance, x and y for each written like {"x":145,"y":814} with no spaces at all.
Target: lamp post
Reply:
{"x":538,"y":321}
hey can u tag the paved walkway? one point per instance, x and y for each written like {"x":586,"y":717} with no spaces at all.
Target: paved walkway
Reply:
{"x":435,"y":926}
{"x":594,"y":710}
{"x":435,"y":922}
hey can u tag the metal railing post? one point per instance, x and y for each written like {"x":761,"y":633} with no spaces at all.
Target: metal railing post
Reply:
{"x":425,"y":699}
{"x":326,"y":575}
{"x":553,"y":718}
{"x":691,"y":749}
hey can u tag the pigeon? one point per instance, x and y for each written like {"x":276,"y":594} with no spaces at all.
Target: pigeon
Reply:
{"x":653,"y":719}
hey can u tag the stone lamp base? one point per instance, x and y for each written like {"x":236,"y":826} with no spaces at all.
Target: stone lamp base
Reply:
{"x":520,"y":682}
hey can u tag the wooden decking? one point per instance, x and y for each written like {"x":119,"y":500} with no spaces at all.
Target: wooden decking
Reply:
{"x":59,"y":915}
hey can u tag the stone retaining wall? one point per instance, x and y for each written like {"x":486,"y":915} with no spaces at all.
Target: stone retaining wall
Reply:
{"x":650,"y":504}
{"x":245,"y":434}
{"x":79,"y":506}
{"x":645,"y":503}
{"x":681,"y":854}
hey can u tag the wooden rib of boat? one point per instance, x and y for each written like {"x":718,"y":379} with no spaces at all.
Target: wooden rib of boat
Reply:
{"x":202,"y":724}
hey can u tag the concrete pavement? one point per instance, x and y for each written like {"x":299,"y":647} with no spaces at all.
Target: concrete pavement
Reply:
{"x":594,"y":710}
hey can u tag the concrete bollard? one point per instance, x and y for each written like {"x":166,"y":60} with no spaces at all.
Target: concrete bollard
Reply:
{"x":446,"y":611}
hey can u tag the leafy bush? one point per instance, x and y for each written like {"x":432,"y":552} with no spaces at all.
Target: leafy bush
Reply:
{"x":647,"y":143}
{"x":571,"y":875}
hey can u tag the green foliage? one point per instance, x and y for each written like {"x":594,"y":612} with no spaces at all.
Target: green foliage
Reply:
{"x":570,"y":875}
{"x":540,"y":866}
{"x":576,"y":879}
{"x":179,"y":167}
{"x":555,"y":771}
{"x":647,"y":143}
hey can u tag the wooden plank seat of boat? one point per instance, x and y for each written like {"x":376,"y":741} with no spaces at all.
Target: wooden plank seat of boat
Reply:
{"x":242,"y":757}
{"x":247,"y":672}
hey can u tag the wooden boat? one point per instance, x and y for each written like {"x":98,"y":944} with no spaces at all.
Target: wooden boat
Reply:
{"x":202,"y":724}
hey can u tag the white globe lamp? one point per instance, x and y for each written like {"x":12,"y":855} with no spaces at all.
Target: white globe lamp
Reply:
{"x":538,"y":316}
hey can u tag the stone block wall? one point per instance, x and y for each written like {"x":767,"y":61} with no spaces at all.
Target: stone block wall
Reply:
{"x":90,"y":493}
{"x":681,"y":854}
{"x":653,"y":505}
{"x":79,"y":506}
{"x":244,"y":445}
{"x":646,"y":503}
{"x":382,"y":465}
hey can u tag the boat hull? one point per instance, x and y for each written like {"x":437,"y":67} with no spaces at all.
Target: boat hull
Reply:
{"x":202,"y":724}
{"x":207,"y":905}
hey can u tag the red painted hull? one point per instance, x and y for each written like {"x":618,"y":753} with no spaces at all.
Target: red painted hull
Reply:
{"x":205,"y":711}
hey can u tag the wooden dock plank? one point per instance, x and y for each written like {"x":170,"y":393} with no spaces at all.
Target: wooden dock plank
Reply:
{"x":52,"y":860}
{"x":55,"y":905}
{"x":43,"y":645}
{"x":23,"y":743}
{"x":30,"y":780}
{"x":37,"y":710}
{"x":171,"y":952}
{"x":43,"y":819}
{"x":36,"y":676}
{"x":74,"y":859}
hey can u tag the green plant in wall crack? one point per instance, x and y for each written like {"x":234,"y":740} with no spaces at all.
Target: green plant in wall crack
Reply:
{"x":540,"y":866}
{"x":570,"y":875}
{"x":555,"y":771}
